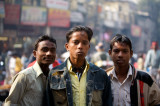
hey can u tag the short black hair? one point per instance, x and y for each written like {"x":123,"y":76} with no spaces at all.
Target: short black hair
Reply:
{"x":120,"y":39}
{"x":44,"y":38}
{"x":79,"y":28}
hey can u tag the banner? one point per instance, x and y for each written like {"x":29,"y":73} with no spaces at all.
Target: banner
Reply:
{"x":58,"y":18}
{"x":58,"y":4}
{"x":77,"y":17}
{"x":135,"y":30}
{"x":12,"y":14}
{"x":34,"y":16}
{"x":2,"y":14}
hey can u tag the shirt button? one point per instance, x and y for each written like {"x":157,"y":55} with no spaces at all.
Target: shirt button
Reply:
{"x":68,"y":93}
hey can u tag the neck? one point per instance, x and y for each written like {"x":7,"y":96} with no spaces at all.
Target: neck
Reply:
{"x":121,"y":71}
{"x":45,"y":69}
{"x":77,"y":63}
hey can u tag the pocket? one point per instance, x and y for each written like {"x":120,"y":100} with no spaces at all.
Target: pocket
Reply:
{"x":99,"y":86}
{"x":60,"y":97}
{"x":97,"y":94}
{"x":126,"y":96}
{"x":57,"y":83}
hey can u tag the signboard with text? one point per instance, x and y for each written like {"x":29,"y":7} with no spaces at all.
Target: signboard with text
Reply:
{"x":34,"y":16}
{"x":77,"y":17}
{"x":58,"y":4}
{"x":58,"y":18}
{"x":12,"y":14}
{"x":136,"y":31}
{"x":2,"y":13}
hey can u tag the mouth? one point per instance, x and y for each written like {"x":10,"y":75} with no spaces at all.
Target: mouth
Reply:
{"x":120,"y":61}
{"x":79,"y":52}
{"x":48,"y":59}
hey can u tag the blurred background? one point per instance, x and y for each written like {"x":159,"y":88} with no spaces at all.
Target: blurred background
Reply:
{"x":23,"y":21}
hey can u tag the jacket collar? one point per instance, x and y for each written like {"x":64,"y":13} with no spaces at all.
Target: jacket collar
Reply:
{"x":63,"y":67}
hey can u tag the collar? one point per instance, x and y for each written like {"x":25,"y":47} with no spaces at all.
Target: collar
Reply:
{"x":69,"y":65}
{"x":37,"y":69}
{"x":113,"y":73}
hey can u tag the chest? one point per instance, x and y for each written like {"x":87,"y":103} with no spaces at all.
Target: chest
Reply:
{"x":36,"y":86}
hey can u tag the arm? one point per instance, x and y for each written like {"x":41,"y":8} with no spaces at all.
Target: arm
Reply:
{"x":17,"y":90}
{"x":147,"y":60}
{"x":154,"y":95}
{"x":107,"y":94}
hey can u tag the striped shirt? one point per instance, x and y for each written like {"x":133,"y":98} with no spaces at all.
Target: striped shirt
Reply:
{"x":28,"y":88}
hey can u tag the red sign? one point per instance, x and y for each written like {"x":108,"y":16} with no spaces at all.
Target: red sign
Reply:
{"x":58,"y":18}
{"x":12,"y":14}
{"x":136,"y":30}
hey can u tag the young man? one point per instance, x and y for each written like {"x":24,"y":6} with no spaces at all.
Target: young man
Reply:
{"x":76,"y":82}
{"x":28,"y":86}
{"x":130,"y":87}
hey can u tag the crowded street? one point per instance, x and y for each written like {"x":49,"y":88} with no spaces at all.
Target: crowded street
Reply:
{"x":112,"y":37}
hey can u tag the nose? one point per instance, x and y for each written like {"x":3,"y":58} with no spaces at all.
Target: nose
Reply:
{"x":80,"y":45}
{"x":48,"y":52}
{"x":120,"y":54}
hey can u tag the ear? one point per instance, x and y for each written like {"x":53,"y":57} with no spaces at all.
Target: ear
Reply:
{"x":109,"y":51}
{"x":34,"y":53}
{"x":67,"y":48}
{"x":131,"y":53}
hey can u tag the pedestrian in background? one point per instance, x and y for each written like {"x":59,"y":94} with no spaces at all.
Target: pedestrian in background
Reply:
{"x":130,"y":87}
{"x":152,"y":62}
{"x":24,"y":60}
{"x":15,"y":64}
{"x":140,"y":62}
{"x":28,"y":87}
{"x":100,"y":57}
{"x":76,"y":82}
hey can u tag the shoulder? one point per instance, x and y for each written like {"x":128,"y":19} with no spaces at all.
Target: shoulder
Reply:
{"x":145,"y":77}
{"x":25,"y":74}
{"x":96,"y":69}
{"x":27,"y":71}
{"x":60,"y":67}
{"x":151,"y":51}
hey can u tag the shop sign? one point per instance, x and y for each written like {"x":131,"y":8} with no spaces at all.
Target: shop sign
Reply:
{"x":36,"y":16}
{"x":77,"y":17}
{"x":58,"y":18}
{"x":12,"y":14}
{"x":2,"y":13}
{"x":58,"y":4}
{"x":135,"y":30}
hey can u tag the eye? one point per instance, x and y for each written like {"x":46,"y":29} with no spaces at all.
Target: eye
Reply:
{"x":125,"y":51}
{"x":115,"y":50}
{"x":85,"y":42}
{"x":53,"y":50}
{"x":76,"y":42}
{"x":45,"y":49}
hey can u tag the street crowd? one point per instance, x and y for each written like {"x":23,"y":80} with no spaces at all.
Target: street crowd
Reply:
{"x":105,"y":78}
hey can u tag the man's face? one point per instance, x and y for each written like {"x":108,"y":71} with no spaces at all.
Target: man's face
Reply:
{"x":120,"y":54}
{"x":155,"y":47}
{"x":45,"y":53}
{"x":78,"y":45}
